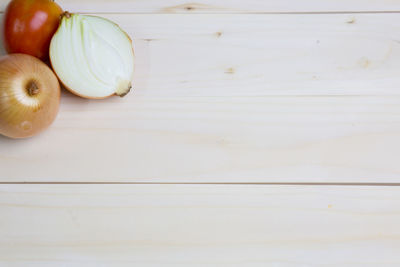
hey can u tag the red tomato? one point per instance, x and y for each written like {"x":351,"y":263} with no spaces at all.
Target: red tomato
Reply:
{"x":29,"y":26}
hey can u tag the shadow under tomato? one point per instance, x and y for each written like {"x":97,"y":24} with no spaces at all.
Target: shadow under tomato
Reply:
{"x":2,"y":49}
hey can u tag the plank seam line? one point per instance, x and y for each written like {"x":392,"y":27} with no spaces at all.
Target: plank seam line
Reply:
{"x":205,"y":183}
{"x":244,"y":13}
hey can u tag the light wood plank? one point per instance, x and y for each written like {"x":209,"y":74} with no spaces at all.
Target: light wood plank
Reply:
{"x":224,"y":6}
{"x":160,"y":225}
{"x":294,"y":110}
{"x":258,"y":55}
{"x":222,"y":139}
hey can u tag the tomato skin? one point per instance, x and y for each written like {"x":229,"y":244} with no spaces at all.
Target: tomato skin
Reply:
{"x":29,"y":26}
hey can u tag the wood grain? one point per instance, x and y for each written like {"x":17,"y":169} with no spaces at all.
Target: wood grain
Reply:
{"x":258,"y":55}
{"x":273,"y":98}
{"x":222,"y":139}
{"x":224,"y":6}
{"x":160,"y":225}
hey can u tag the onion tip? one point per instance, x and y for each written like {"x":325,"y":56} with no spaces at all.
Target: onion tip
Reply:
{"x":123,"y":90}
{"x":66,"y":14}
{"x":32,"y":88}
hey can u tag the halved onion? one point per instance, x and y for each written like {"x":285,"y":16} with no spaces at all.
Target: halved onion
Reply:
{"x":92,"y":56}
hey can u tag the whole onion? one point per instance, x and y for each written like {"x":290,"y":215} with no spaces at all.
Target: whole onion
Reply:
{"x":29,"y":96}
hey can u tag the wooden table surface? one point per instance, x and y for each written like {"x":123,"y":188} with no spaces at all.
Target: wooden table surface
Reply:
{"x":259,"y":133}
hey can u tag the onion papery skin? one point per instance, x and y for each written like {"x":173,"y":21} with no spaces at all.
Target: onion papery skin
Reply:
{"x":92,"y":56}
{"x":29,"y":96}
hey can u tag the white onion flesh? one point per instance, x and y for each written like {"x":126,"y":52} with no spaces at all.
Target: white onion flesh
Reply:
{"x":92,"y":56}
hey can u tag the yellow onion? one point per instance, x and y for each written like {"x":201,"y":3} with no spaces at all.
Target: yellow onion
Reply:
{"x":29,"y":96}
{"x":92,"y":56}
